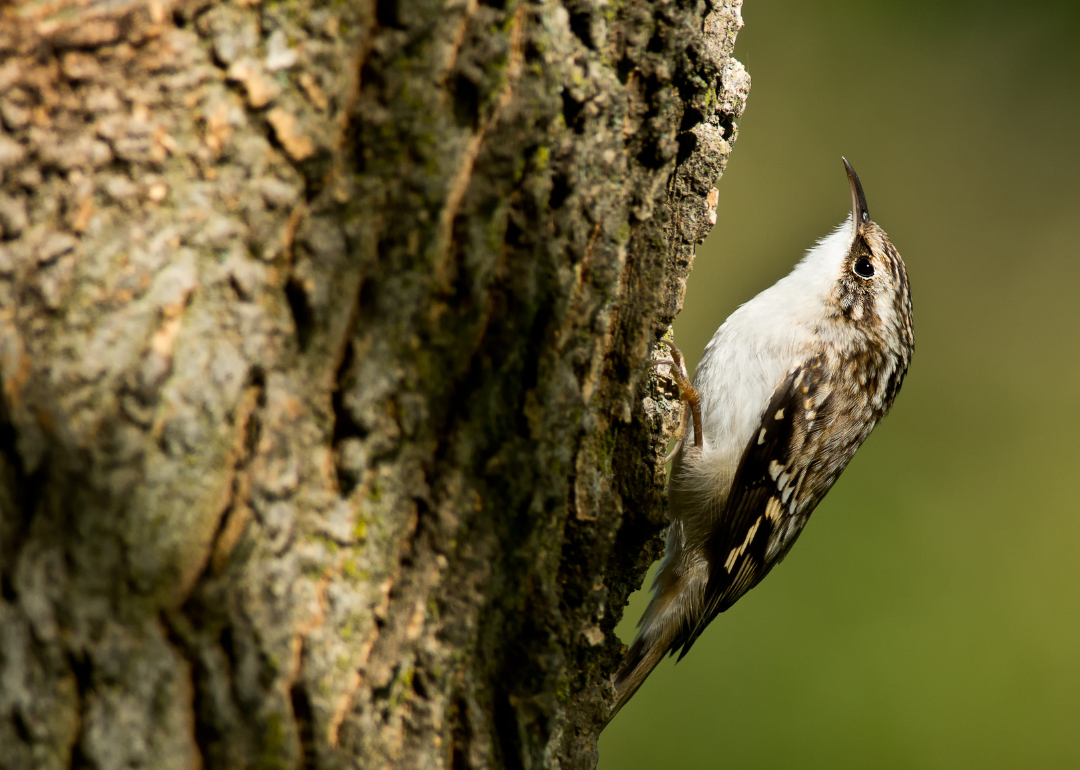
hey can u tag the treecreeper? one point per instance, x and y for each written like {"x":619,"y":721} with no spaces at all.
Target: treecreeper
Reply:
{"x":787,"y":390}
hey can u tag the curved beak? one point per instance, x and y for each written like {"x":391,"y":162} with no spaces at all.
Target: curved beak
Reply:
{"x":859,"y":211}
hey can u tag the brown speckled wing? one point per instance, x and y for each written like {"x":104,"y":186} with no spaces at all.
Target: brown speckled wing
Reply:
{"x":778,"y":483}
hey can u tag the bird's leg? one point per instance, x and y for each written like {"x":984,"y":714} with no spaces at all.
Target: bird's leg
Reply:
{"x":680,"y":432}
{"x":687,"y":391}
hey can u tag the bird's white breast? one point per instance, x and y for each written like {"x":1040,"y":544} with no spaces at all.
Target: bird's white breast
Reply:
{"x":757,"y":346}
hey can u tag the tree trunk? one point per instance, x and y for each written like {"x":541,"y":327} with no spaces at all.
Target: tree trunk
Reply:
{"x":327,"y":437}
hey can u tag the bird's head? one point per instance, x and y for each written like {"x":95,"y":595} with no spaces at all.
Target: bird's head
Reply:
{"x":871,"y":290}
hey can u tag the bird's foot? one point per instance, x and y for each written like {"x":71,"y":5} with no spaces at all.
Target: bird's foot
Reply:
{"x":687,"y":392}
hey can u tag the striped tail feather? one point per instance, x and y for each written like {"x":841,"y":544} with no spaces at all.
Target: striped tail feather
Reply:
{"x":663,"y":626}
{"x":640,"y":660}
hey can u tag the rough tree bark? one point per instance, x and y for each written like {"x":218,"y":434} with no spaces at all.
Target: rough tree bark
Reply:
{"x":326,"y":432}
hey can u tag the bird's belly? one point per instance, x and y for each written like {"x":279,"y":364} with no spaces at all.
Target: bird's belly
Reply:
{"x":740,"y":378}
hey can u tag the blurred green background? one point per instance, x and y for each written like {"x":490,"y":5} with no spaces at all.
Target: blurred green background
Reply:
{"x":929,"y":616}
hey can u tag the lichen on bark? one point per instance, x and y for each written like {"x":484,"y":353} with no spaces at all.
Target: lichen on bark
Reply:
{"x":327,"y":437}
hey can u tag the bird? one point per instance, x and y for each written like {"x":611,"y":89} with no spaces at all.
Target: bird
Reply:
{"x":786,"y":391}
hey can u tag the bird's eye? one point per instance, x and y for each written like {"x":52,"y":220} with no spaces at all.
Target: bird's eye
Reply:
{"x":863,"y":268}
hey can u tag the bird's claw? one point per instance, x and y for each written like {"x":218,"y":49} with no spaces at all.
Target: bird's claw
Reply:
{"x":687,"y":393}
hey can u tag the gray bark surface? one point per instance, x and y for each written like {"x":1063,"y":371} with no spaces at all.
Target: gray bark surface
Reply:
{"x":326,"y":432}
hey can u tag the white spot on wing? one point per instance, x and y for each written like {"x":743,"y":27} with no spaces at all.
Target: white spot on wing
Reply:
{"x":737,"y":552}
